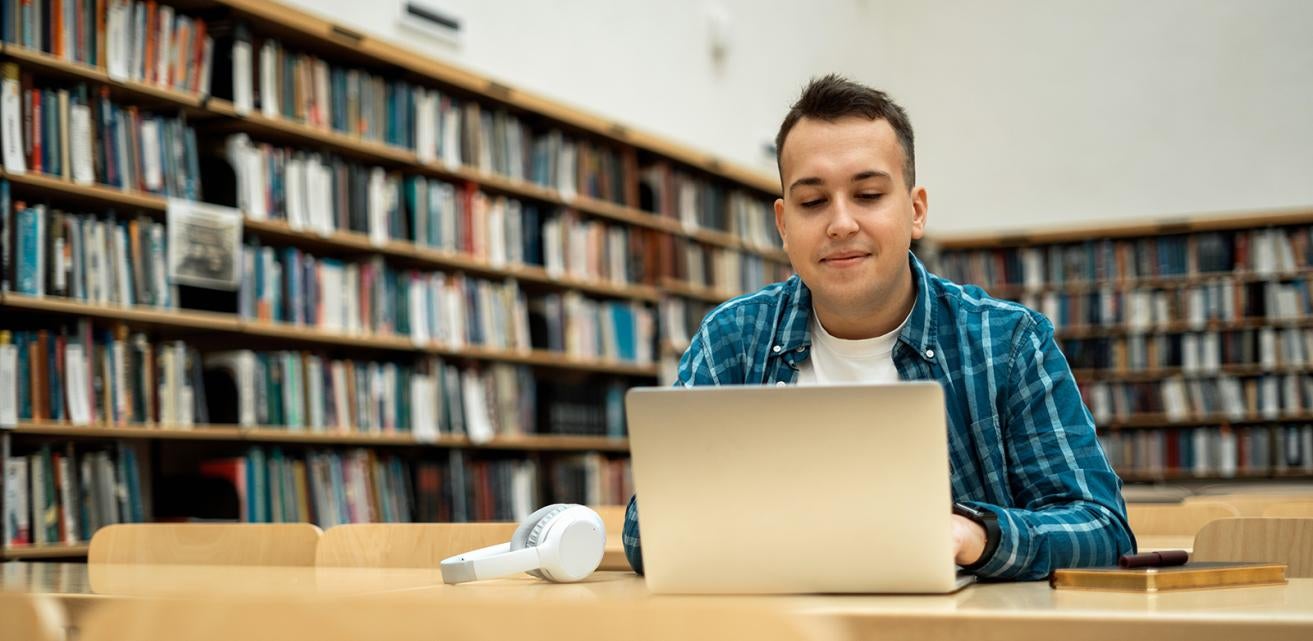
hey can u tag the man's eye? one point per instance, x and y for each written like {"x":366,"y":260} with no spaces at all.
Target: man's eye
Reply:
{"x":812,"y":203}
{"x":869,"y":196}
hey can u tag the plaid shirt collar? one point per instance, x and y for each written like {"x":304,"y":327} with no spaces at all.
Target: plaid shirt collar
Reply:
{"x":918,"y":333}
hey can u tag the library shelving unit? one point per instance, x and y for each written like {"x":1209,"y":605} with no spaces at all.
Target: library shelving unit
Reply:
{"x":1190,"y":338}
{"x":580,"y":251}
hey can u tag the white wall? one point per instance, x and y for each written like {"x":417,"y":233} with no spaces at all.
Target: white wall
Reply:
{"x":1036,"y":113}
{"x":1028,"y":112}
{"x":644,"y":63}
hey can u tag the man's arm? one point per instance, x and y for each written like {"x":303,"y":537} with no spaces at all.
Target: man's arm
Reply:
{"x":1071,"y":513}
{"x":696,"y":367}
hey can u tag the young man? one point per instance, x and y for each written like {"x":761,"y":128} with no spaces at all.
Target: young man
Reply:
{"x":1033,"y":489}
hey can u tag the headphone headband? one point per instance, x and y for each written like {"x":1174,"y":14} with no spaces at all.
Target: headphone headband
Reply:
{"x":559,"y":543}
{"x":490,"y":562}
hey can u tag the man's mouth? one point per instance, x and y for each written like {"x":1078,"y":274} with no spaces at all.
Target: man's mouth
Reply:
{"x":845,"y":258}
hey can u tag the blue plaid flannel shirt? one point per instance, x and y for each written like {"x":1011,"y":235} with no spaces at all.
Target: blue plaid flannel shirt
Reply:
{"x":1021,"y":441}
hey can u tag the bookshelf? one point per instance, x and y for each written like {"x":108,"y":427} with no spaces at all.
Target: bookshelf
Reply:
{"x":51,"y":551}
{"x":267,"y":434}
{"x":697,"y":228}
{"x":1187,"y":336}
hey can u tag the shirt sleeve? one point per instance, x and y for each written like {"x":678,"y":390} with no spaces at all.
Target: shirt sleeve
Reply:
{"x":1070,"y":512}
{"x":633,"y":543}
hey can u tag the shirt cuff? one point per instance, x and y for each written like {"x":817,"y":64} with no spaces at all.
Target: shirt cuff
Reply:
{"x":1003,"y":562}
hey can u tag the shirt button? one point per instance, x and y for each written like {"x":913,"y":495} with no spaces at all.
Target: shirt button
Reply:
{"x":780,"y":384}
{"x":930,"y":353}
{"x":776,"y":349}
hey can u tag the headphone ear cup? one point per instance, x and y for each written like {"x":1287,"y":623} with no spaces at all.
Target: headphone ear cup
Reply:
{"x":530,"y":532}
{"x":570,"y":544}
{"x":520,"y":539}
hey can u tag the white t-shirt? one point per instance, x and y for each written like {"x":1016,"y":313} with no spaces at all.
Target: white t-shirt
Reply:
{"x":837,"y":361}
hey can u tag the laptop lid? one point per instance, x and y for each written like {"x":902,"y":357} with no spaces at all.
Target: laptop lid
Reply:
{"x":815,"y":489}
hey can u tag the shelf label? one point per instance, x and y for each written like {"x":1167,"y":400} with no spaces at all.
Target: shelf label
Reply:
{"x":205,"y":244}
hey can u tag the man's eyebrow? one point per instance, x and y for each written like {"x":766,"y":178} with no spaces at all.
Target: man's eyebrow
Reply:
{"x":810,"y":181}
{"x":816,"y":181}
{"x":871,"y":173}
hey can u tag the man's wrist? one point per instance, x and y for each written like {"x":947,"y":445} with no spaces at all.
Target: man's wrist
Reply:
{"x":988,"y":522}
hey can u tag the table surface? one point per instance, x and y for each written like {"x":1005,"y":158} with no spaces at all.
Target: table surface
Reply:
{"x":1222,"y":611}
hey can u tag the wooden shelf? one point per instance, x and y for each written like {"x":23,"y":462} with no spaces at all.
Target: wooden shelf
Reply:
{"x":1162,"y":282}
{"x":1178,"y":327}
{"x":1157,"y":420}
{"x":191,"y":102}
{"x":139,"y":316}
{"x":1187,"y":475}
{"x":368,"y":150}
{"x":435,"y":258}
{"x":697,"y":292}
{"x":228,"y":323}
{"x":1183,"y":224}
{"x":351,"y":242}
{"x":51,"y":551}
{"x":1158,"y":374}
{"x":97,"y":194}
{"x":65,"y":430}
{"x":272,"y":434}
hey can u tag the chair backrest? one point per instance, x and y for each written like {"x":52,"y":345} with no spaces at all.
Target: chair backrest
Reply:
{"x":405,"y":545}
{"x":1249,"y":504}
{"x":1290,"y":508}
{"x":1184,"y":519}
{"x":206,"y":544}
{"x":401,"y":618}
{"x":613,"y":517}
{"x":1154,"y":493}
{"x":1280,"y":540}
{"x":28,"y":617}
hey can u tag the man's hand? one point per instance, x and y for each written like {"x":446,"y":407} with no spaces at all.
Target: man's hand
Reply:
{"x":968,"y":540}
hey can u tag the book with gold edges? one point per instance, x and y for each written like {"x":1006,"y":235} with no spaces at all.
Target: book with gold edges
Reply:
{"x":1182,"y":577}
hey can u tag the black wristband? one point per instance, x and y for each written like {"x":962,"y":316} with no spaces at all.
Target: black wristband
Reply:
{"x":986,"y":519}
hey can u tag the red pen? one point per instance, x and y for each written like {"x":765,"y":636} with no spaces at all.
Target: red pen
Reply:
{"x":1161,"y":559}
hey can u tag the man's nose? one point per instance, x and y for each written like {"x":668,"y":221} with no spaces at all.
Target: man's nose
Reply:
{"x":842,"y":222}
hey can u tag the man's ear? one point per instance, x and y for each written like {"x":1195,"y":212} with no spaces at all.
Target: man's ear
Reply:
{"x":920,"y":209}
{"x":779,"y":222}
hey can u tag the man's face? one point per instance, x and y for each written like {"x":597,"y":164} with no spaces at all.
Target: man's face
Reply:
{"x":847,"y":216}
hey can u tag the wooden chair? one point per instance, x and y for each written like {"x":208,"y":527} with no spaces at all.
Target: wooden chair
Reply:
{"x":1180,"y":519}
{"x":1245,"y":503}
{"x":614,"y":518}
{"x":1154,"y":494}
{"x":1289,"y":509}
{"x":401,"y":618}
{"x":405,"y":545}
{"x":26,"y":617}
{"x":1281,"y":540}
{"x":290,"y":544}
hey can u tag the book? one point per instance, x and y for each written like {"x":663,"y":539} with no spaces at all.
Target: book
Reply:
{"x":1184,"y":577}
{"x":17,"y":520}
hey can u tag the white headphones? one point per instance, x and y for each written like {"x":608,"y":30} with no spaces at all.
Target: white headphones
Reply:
{"x":562,"y":543}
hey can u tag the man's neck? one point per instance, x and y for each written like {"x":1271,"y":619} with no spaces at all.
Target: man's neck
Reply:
{"x":882,"y":315}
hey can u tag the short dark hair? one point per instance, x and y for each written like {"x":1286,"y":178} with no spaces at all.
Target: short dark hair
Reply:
{"x":834,"y":97}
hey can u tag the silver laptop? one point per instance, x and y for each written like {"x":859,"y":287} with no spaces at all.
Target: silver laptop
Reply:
{"x":824,"y":489}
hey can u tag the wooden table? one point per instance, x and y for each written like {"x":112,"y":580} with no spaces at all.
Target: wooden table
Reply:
{"x":82,"y":586}
{"x":1002,"y":610}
